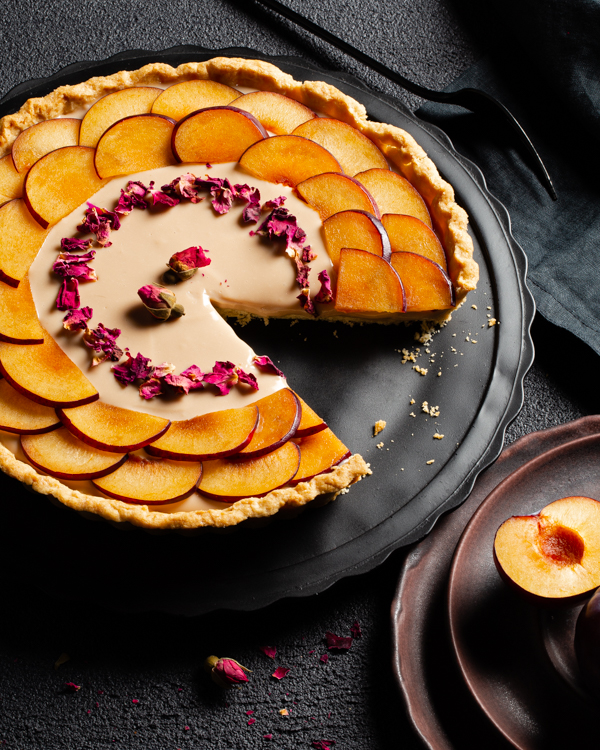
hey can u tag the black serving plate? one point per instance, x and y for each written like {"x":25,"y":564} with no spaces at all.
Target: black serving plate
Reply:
{"x":352,"y":379}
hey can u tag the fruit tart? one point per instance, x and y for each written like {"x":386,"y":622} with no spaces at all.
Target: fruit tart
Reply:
{"x":141,"y":211}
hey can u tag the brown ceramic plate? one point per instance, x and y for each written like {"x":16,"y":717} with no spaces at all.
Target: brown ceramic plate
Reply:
{"x":496,"y":635}
{"x":443,"y":711}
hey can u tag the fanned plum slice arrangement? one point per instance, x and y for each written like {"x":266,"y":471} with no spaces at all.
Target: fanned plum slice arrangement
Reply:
{"x":20,"y":415}
{"x":62,"y":455}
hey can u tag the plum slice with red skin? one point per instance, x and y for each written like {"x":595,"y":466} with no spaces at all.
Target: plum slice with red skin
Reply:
{"x":64,"y":456}
{"x":215,"y":135}
{"x":42,"y":138}
{"x":319,"y":453}
{"x":278,"y":113}
{"x":368,"y":283}
{"x":330,"y":192}
{"x":426,"y":285}
{"x":183,"y":98}
{"x":229,"y":481}
{"x":409,"y":234}
{"x":209,"y":436}
{"x":358,"y":229}
{"x":151,"y":481}
{"x":19,"y":323}
{"x":117,"y":105}
{"x":21,"y":238}
{"x":394,"y":194}
{"x":310,"y":421}
{"x":278,"y":420}
{"x":112,"y":428}
{"x":21,"y":415}
{"x":11,"y":182}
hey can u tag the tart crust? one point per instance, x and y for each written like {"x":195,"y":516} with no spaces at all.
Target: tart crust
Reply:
{"x":400,"y":149}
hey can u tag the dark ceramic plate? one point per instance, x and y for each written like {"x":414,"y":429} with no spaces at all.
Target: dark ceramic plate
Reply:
{"x":496,"y":634}
{"x":352,"y":381}
{"x":510,"y":660}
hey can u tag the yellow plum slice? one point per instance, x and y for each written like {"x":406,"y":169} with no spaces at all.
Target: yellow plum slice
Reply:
{"x":19,"y":323}
{"x":368,"y":283}
{"x":22,"y":416}
{"x":21,"y":238}
{"x":278,"y":113}
{"x":394,"y":194}
{"x":330,"y":193}
{"x":319,"y":453}
{"x":287,"y":159}
{"x":230,"y":481}
{"x":409,"y":234}
{"x":310,"y":421}
{"x":279,"y":417}
{"x":137,"y":100}
{"x":183,"y":98}
{"x":38,"y":140}
{"x":358,"y":229}
{"x":11,"y":182}
{"x":426,"y":285}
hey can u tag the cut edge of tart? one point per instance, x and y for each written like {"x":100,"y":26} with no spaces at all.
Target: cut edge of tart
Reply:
{"x":401,"y":150}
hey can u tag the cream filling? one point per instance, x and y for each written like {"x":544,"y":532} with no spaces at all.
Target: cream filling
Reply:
{"x":246,"y":274}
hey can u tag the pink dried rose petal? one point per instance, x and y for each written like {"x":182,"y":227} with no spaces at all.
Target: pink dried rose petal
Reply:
{"x":184,"y":187}
{"x":280,"y":673}
{"x":159,"y":197}
{"x":68,"y":295}
{"x":324,"y":658}
{"x":275,"y":203}
{"x":72,"y":244}
{"x":164,"y":369}
{"x":134,"y":368}
{"x":76,"y":320}
{"x":194,"y":373}
{"x":355,"y":630}
{"x":306,"y":302}
{"x":104,"y":343}
{"x":251,"y":721}
{"x":221,"y":190}
{"x":71,"y":265}
{"x":151,"y":388}
{"x":302,"y":275}
{"x":269,"y":651}
{"x":247,"y":378}
{"x":133,"y":196}
{"x":72,"y":687}
{"x":266,"y":363}
{"x":100,"y":221}
{"x":322,"y":744}
{"x":182,"y":384}
{"x":223,"y":377}
{"x":338,"y":642}
{"x":324,"y":294}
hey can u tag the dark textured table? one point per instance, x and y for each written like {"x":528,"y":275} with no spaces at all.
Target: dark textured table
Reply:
{"x":141,"y":677}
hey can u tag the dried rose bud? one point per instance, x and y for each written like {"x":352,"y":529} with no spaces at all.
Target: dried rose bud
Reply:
{"x":225,"y":672}
{"x":187,"y":262}
{"x":160,"y":302}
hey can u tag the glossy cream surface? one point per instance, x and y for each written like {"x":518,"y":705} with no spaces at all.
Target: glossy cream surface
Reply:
{"x":246,"y":274}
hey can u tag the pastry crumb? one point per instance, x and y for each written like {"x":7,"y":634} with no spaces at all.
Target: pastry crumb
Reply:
{"x":492,"y":322}
{"x":379,"y":426}
{"x":474,"y":307}
{"x":420,"y":370}
{"x":437,"y":436}
{"x":432,"y":461}
{"x":284,"y":712}
{"x":440,"y":374}
{"x":412,"y":414}
{"x":412,"y":401}
{"x":380,"y":445}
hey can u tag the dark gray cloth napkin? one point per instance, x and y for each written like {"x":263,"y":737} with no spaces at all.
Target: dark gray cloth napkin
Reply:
{"x":544,"y":65}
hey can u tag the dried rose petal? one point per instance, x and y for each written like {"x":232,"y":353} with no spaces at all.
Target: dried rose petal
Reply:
{"x":356,"y":631}
{"x":221,"y":190}
{"x":247,"y":378}
{"x":158,"y":197}
{"x":184,"y":187}
{"x":306,"y":302}
{"x":302,"y":275}
{"x":225,"y":672}
{"x":72,"y":687}
{"x":104,"y":343}
{"x":164,"y":369}
{"x":100,"y":221}
{"x":151,"y":388}
{"x":72,"y":244}
{"x":324,"y":658}
{"x":133,"y":196}
{"x":323,"y":744}
{"x":76,"y":320}
{"x":269,"y":651}
{"x":223,"y":377}
{"x":251,"y":721}
{"x":275,"y":203}
{"x":68,"y":295}
{"x":324,"y":294}
{"x":266,"y":363}
{"x":69,"y":265}
{"x":338,"y":642}
{"x":280,"y":673}
{"x":182,"y":383}
{"x":134,"y":368}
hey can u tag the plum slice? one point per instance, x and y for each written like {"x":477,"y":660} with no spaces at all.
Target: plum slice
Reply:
{"x":151,"y":481}
{"x":59,"y":182}
{"x":330,"y":193}
{"x":19,"y":323}
{"x":354,"y":151}
{"x":135,"y":144}
{"x":216,"y":135}
{"x":368,"y":283}
{"x":230,"y":481}
{"x":359,"y":229}
{"x":409,"y":234}
{"x":108,"y":110}
{"x":278,"y":113}
{"x":112,"y":428}
{"x":287,"y":159}
{"x":62,"y":455}
{"x":394,"y":194}
{"x":21,"y":238}
{"x":181,"y":99}
{"x":38,"y":140}
{"x":11,"y":182}
{"x":209,"y":436}
{"x":319,"y":453}
{"x":279,"y":417}
{"x":310,"y":421}
{"x":426,"y":285}
{"x":45,"y":374}
{"x":22,"y":416}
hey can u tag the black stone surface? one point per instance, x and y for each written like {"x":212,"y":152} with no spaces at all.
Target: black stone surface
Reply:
{"x":156,"y":660}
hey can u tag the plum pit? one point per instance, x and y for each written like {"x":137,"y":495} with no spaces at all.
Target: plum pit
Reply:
{"x":564,"y":546}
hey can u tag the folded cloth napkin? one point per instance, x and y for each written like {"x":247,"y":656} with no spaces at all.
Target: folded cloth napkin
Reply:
{"x":544,"y":65}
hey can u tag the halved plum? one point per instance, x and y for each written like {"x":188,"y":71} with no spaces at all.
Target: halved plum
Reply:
{"x":394,"y":194}
{"x":368,"y":283}
{"x":19,"y":323}
{"x":279,"y":417}
{"x":151,"y":481}
{"x":62,"y":455}
{"x":45,"y":374}
{"x":209,"y":436}
{"x":359,"y":229}
{"x":183,"y":98}
{"x":117,"y":105}
{"x":21,"y":238}
{"x":287,"y":159}
{"x":22,"y":416}
{"x":42,"y":138}
{"x":354,"y":151}
{"x":411,"y":235}
{"x":135,"y":144}
{"x":59,"y":182}
{"x":11,"y":182}
{"x":215,"y":135}
{"x":278,"y":113}
{"x":229,"y":481}
{"x":330,"y":193}
{"x":319,"y":453}
{"x":426,"y":285}
{"x":111,"y":428}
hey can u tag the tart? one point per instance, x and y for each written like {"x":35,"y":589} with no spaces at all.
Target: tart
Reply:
{"x":305,"y":209}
